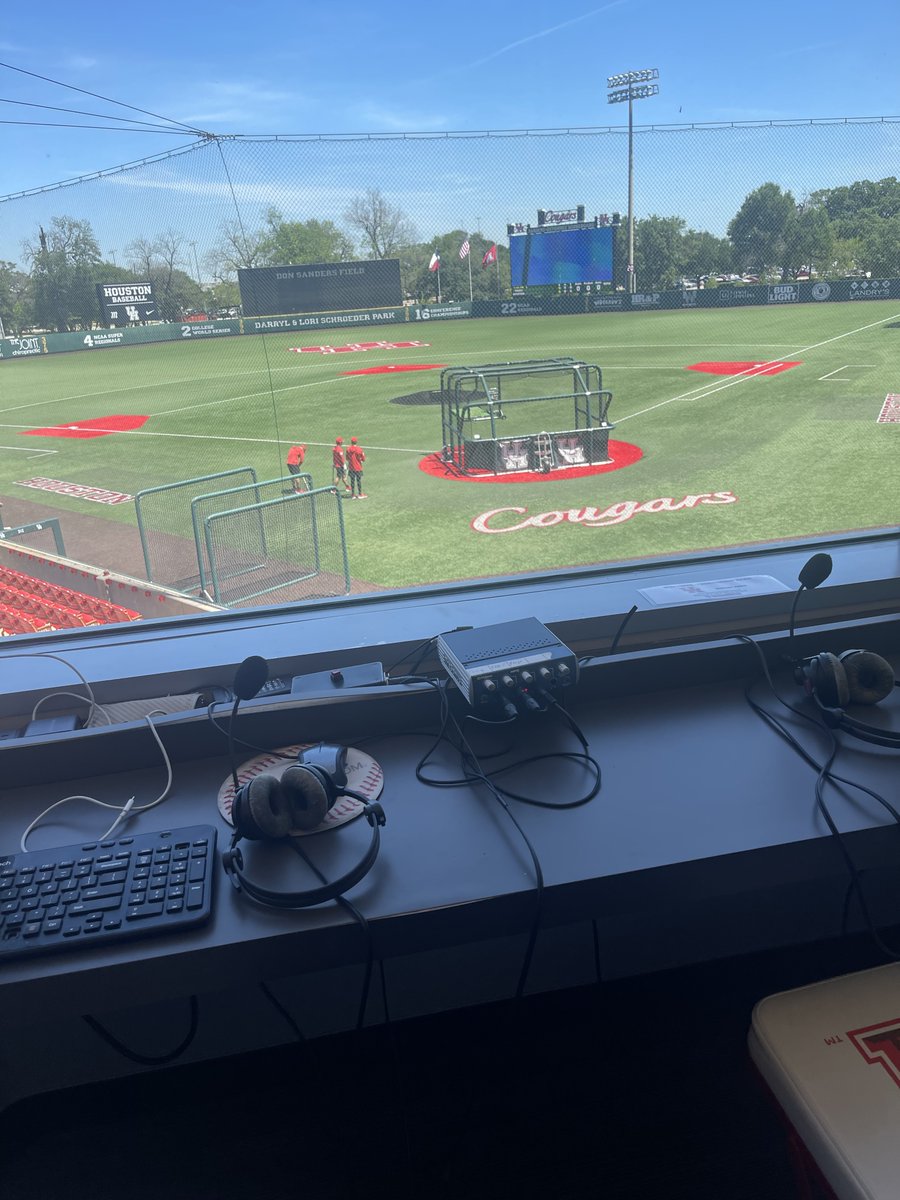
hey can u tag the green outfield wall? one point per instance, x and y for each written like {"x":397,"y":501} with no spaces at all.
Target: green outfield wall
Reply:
{"x":723,"y":296}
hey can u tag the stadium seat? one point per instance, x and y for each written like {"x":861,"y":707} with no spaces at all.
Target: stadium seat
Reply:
{"x":53,"y":606}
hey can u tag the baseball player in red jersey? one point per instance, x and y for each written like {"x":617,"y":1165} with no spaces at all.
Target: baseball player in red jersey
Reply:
{"x":295,"y":458}
{"x":356,"y":456}
{"x":339,"y":464}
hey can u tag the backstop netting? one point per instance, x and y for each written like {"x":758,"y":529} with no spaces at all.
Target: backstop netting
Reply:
{"x":741,"y":231}
{"x":305,"y":549}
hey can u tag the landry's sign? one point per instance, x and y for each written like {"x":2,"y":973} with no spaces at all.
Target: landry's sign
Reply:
{"x":512,"y":519}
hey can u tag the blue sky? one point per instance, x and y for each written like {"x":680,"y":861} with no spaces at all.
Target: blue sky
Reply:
{"x":354,"y":67}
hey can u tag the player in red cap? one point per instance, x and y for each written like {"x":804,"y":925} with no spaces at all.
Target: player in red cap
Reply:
{"x":356,"y":456}
{"x":339,"y":463}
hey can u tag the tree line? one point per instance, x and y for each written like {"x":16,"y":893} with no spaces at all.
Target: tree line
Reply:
{"x":830,"y":233}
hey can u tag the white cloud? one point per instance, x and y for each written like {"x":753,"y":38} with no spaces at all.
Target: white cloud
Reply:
{"x":403,"y":121}
{"x":239,"y":103}
{"x":80,"y":62}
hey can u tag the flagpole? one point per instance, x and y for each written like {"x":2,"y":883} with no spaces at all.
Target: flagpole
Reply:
{"x":469,"y":261}
{"x":439,"y":281}
{"x":497,"y":262}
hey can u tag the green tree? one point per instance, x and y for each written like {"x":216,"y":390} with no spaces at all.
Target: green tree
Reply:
{"x":287,"y":243}
{"x":703,"y":253}
{"x":851,"y":207}
{"x":63,"y":260}
{"x":658,"y":243}
{"x":879,"y":246}
{"x":811,"y":243}
{"x":16,"y":299}
{"x":762,"y":229}
{"x":382,"y":227}
{"x":845,"y":257}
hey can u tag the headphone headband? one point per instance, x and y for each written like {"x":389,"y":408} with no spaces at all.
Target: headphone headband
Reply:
{"x":233,"y":862}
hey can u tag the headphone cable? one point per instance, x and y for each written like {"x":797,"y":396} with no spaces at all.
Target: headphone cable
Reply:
{"x":824,"y":775}
{"x":360,"y":919}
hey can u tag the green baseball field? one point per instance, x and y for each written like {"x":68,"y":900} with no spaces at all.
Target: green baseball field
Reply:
{"x":730,"y":427}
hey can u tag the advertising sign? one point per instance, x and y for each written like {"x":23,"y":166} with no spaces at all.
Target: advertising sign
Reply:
{"x":126,"y":303}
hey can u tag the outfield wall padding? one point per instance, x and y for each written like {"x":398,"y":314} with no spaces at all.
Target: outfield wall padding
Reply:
{"x":724,"y":296}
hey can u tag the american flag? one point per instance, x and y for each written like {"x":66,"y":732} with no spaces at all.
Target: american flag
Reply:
{"x":464,"y":249}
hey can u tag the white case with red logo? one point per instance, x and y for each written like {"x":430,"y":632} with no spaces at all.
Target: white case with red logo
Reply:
{"x":830,"y":1053}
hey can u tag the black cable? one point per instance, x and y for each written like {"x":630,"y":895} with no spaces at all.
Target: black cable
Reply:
{"x":360,"y":920}
{"x":97,"y":96}
{"x":241,"y":742}
{"x":119,"y":128}
{"x":148,"y":1060}
{"x":614,"y":644}
{"x":465,"y":780}
{"x":283,"y":1012}
{"x":80,"y":112}
{"x":473,"y":773}
{"x":823,"y":776}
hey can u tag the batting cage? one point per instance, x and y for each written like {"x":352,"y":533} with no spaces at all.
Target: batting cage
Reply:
{"x":541,"y":415}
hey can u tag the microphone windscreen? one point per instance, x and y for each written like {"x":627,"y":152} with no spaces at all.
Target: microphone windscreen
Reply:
{"x":250,"y":676}
{"x":815,"y":571}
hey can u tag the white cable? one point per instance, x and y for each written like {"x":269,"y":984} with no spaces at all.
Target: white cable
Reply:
{"x":65,"y":662}
{"x":123,"y":816}
{"x":124,"y":810}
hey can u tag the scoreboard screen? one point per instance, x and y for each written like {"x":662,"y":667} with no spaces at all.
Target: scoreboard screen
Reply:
{"x":562,"y":256}
{"x":320,"y":287}
{"x":126,"y":303}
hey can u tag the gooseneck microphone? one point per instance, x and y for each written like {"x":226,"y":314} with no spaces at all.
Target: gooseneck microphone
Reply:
{"x":248,"y":679}
{"x":813,"y":572}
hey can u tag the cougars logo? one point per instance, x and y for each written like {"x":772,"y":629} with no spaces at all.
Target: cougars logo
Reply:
{"x":880,"y":1044}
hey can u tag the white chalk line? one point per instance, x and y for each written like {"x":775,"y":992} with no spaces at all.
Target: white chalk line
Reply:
{"x":700,"y":393}
{"x":207,"y":437}
{"x":831,"y":374}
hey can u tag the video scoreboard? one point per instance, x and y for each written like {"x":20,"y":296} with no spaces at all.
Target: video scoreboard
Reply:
{"x":548,"y":255}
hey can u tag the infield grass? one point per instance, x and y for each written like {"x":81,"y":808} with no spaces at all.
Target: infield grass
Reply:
{"x":801,"y":450}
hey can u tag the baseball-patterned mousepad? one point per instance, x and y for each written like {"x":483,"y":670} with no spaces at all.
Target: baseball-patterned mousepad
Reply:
{"x":364,"y":776}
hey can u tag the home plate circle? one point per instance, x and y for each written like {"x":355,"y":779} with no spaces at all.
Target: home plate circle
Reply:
{"x":364,"y":775}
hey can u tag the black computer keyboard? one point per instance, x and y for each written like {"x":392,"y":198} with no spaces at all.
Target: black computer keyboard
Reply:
{"x":105,"y":891}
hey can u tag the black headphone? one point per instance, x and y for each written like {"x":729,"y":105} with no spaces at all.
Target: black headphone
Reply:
{"x":272,"y":808}
{"x":853,"y":677}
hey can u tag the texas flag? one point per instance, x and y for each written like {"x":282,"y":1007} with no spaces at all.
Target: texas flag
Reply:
{"x":490,"y":256}
{"x":435,"y":264}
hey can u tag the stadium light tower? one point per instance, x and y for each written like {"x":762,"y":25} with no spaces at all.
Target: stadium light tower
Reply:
{"x":631,"y":86}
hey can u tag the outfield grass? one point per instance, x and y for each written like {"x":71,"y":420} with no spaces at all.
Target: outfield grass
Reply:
{"x":800,"y":450}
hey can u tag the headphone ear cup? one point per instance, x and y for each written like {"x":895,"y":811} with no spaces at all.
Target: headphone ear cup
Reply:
{"x":308,"y":796}
{"x":828,"y":680}
{"x":259,"y":810}
{"x":869,"y":676}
